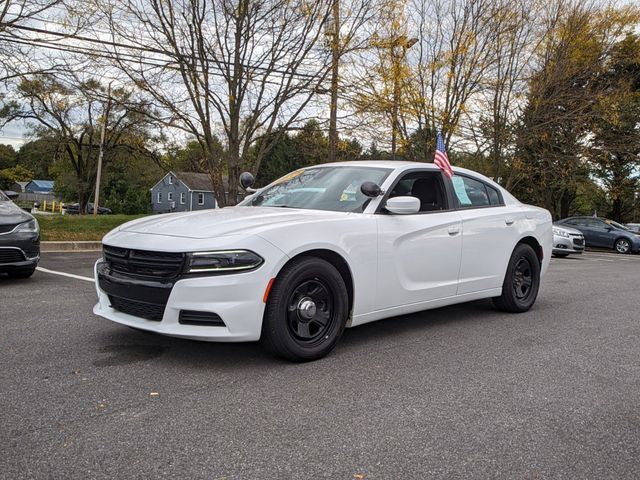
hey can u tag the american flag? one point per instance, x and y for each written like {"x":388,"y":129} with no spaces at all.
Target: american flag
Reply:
{"x":441,"y":159}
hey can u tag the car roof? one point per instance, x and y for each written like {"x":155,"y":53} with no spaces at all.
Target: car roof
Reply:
{"x":395,"y":164}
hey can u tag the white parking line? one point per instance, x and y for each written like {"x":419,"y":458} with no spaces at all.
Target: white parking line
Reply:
{"x":70,"y":275}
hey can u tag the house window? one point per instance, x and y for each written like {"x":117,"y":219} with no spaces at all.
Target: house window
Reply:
{"x":170,"y":180}
{"x":201,"y":199}
{"x":159,"y":197}
{"x":170,"y":196}
{"x":182,"y":198}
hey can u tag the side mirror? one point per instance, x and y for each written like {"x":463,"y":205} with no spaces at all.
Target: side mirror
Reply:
{"x":246,"y":182}
{"x":403,"y":205}
{"x":11,"y":195}
{"x":370,"y":189}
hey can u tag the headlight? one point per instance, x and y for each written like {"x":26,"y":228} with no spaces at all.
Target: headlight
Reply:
{"x":223,"y":261}
{"x":560,"y":233}
{"x":30,"y":226}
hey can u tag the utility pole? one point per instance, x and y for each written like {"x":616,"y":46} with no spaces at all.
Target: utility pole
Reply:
{"x":103,"y":134}
{"x":335,"y":63}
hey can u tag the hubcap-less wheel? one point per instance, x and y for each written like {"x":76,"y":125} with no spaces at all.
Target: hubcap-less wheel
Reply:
{"x":310,"y":311}
{"x":306,"y":311}
{"x":522,"y":279}
{"x":622,"y":246}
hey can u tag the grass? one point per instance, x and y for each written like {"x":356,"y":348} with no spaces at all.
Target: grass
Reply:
{"x":79,"y":227}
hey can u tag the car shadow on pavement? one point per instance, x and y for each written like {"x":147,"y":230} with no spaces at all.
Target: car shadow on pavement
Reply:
{"x":122,"y":346}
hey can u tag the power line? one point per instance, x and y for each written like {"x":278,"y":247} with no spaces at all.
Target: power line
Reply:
{"x":130,"y":58}
{"x":153,"y":50}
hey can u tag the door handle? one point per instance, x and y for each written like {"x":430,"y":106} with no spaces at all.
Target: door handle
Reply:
{"x":509,"y":220}
{"x":454,"y":230}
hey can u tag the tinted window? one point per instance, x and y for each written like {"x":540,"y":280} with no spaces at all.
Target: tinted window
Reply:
{"x":494,"y":197}
{"x":573,"y":221}
{"x":470,"y":192}
{"x":598,"y":225}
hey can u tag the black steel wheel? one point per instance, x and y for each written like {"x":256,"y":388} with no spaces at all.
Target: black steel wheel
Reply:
{"x":306,"y":310}
{"x":521,"y":282}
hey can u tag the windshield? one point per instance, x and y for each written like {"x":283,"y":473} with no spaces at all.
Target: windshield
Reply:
{"x":617,"y":225}
{"x":335,"y":189}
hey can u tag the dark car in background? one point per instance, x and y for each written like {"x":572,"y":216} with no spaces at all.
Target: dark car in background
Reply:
{"x":19,"y":240}
{"x":74,"y":209}
{"x":603,"y":233}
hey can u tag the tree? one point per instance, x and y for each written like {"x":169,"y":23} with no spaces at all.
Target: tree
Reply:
{"x":309,"y":146}
{"x":454,"y":53}
{"x":72,"y":112}
{"x":9,"y":176}
{"x":555,"y":126}
{"x":615,"y":148}
{"x":503,"y":87}
{"x":7,"y":156}
{"x":241,"y":68}
{"x":39,"y":154}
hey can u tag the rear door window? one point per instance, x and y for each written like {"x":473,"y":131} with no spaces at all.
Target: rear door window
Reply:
{"x":470,"y":192}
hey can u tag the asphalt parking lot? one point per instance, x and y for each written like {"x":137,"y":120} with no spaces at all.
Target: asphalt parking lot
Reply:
{"x":458,"y":392}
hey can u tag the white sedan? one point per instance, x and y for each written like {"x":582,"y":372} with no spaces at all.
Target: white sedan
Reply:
{"x":324,"y":248}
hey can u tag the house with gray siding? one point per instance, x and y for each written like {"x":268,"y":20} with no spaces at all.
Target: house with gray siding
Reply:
{"x":182,"y":192}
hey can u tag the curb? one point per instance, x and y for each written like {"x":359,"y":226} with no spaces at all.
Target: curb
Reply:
{"x":70,"y":246}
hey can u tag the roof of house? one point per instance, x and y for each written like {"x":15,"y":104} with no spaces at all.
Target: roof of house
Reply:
{"x":43,"y":184}
{"x":195,"y":181}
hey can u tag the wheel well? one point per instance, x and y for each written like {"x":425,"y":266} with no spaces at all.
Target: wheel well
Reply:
{"x":533,"y":243}
{"x":338,"y":262}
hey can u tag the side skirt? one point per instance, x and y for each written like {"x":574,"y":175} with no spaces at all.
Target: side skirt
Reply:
{"x":420,"y":306}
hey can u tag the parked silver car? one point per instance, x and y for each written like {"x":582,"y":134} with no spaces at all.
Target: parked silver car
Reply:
{"x":567,"y":241}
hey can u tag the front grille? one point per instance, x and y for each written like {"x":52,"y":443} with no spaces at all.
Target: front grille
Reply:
{"x":158,"y":265}
{"x":11,"y":255}
{"x":193,"y":317}
{"x":579,"y":242}
{"x":150,"y":311}
{"x":7,"y":228}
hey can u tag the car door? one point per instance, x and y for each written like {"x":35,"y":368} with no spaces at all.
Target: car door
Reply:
{"x":418,"y":254}
{"x":489,"y":233}
{"x":599,"y":233}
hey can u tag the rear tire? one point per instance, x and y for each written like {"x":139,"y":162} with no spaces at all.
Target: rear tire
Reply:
{"x":26,"y":273}
{"x":521,"y":282}
{"x":306,"y":311}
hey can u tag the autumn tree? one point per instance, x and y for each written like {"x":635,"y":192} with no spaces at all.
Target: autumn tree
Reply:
{"x":555,"y":126}
{"x":615,"y":147}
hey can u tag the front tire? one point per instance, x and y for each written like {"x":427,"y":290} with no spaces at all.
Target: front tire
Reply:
{"x":622,"y":245}
{"x":521,"y":282}
{"x":306,"y":311}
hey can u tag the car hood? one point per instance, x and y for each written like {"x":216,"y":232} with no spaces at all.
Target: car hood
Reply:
{"x":10,"y":214}
{"x":567,"y":229}
{"x":224,"y":221}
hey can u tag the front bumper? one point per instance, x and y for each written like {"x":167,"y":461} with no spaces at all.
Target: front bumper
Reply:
{"x":565,"y":246}
{"x":236,"y":298}
{"x":19,"y":251}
